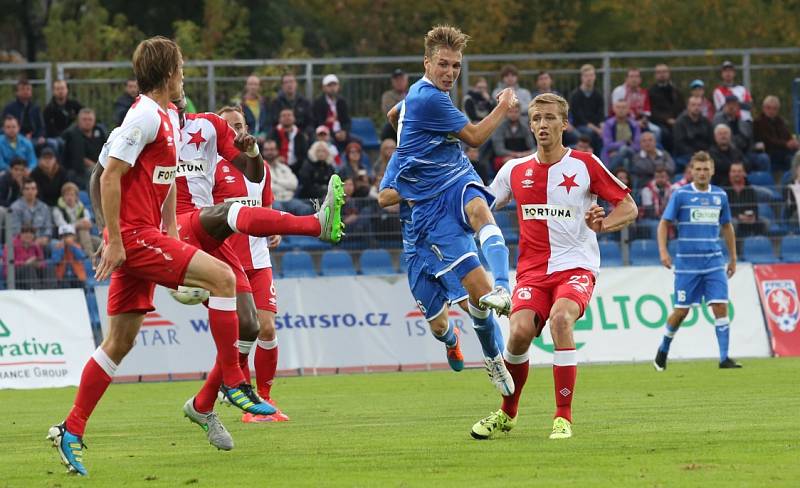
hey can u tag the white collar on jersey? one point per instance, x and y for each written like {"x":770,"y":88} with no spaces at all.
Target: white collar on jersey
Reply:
{"x":700,"y":191}
{"x":153,"y":102}
{"x":565,"y":156}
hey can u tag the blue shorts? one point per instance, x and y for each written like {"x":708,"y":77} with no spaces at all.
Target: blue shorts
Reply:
{"x":692,"y":288}
{"x":443,"y":228}
{"x":430,"y":293}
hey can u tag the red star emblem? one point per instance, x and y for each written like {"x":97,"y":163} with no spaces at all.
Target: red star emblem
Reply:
{"x":197,"y":139}
{"x":569,"y":182}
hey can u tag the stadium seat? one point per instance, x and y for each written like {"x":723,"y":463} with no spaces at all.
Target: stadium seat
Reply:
{"x":83,"y":196}
{"x":308,"y":243}
{"x":337,"y":263}
{"x":786,"y":179}
{"x":364,"y":129}
{"x":761,"y":178}
{"x":610,"y":254}
{"x":376,"y":262}
{"x":790,"y":249}
{"x":505,"y":220}
{"x":297,"y":264}
{"x":644,"y":252}
{"x":758,"y":250}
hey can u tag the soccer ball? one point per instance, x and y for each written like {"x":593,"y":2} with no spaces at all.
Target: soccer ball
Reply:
{"x":189,"y":295}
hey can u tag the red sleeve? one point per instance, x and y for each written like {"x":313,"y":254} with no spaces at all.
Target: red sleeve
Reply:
{"x":646,"y":101}
{"x":225,"y":136}
{"x":603,"y":183}
{"x":267,"y":198}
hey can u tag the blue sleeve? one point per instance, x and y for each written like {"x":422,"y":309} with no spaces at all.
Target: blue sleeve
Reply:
{"x":31,"y":155}
{"x":438,"y":114}
{"x":390,"y":174}
{"x":725,"y":212}
{"x":671,"y":212}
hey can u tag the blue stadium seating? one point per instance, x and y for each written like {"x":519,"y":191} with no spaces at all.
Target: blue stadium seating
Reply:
{"x":337,"y":263}
{"x":761,"y":178}
{"x":83,"y":196}
{"x":297,"y":264}
{"x":758,"y":250}
{"x":790,"y":249}
{"x":786,"y":179}
{"x":304,"y":243}
{"x":364,"y":129}
{"x":376,"y":262}
{"x":644,"y":252}
{"x":505,"y":221}
{"x":610,"y":254}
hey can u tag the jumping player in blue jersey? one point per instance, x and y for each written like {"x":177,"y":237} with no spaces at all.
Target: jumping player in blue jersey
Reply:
{"x":448,"y":200}
{"x":701,"y":210}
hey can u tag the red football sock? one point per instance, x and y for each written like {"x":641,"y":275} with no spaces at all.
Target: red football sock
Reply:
{"x":266,"y":363}
{"x":264,"y":222}
{"x":204,"y":400}
{"x":95,"y":379}
{"x":224,"y":324}
{"x":565,"y":370}
{"x":518,"y":366}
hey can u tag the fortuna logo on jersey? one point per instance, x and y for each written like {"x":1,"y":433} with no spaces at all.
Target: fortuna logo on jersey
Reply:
{"x":548,"y":212}
{"x":164,"y":175}
{"x":195,"y":167}
{"x":247,"y":202}
{"x":783,"y":306}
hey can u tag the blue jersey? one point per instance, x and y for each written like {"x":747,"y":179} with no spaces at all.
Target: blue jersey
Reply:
{"x":698,"y":215}
{"x":406,"y":228}
{"x":429,"y":155}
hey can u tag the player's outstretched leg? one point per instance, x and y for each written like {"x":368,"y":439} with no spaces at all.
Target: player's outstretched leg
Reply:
{"x":218,"y":436}
{"x":69,"y":447}
{"x":494,"y":249}
{"x":446,"y":333}
{"x":485,"y":324}
{"x":673,"y":324}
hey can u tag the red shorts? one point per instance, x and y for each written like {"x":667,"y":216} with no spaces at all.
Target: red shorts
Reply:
{"x":263,"y":289}
{"x":539,"y":293}
{"x":191,"y":231}
{"x":151,"y":257}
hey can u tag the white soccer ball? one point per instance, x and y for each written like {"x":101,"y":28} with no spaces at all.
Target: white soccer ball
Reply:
{"x":190,"y":295}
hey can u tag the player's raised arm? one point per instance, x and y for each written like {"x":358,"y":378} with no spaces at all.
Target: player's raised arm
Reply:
{"x":477,"y":134}
{"x":235,"y":144}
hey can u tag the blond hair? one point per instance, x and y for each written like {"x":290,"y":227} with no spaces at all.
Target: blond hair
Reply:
{"x":445,"y":36}
{"x":586,"y":67}
{"x":550,"y":98}
{"x":701,"y":157}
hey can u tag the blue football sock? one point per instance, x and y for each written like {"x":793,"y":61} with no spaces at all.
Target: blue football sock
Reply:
{"x":485,"y":325}
{"x":449,"y":337}
{"x":667,"y":340}
{"x":495,"y":251}
{"x":723,"y":330}
{"x":499,"y":339}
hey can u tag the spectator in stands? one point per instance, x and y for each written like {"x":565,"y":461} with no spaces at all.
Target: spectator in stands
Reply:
{"x":666,"y":103}
{"x":620,"y":137}
{"x":324,"y":134}
{"x":358,"y":212}
{"x":655,"y":195}
{"x":791,"y":195}
{"x":692,"y":132}
{"x":741,"y":130}
{"x":354,"y":161}
{"x":11,"y":188}
{"x":698,"y":89}
{"x":68,"y":257}
{"x":29,"y":210}
{"x":724,"y":153}
{"x":254,"y":107}
{"x":729,"y":87}
{"x":397,"y":94}
{"x":331,"y":110}
{"x":481,"y":165}
{"x":587,"y":108}
{"x":292,"y":142}
{"x":513,"y":139}
{"x":61,"y":112}
{"x":316,"y":171}
{"x":648,"y":159}
{"x":544,"y":84}
{"x":685,"y":180}
{"x":15,"y":145}
{"x":771,"y":129}
{"x":49,"y":176}
{"x":82,"y":145}
{"x":585,"y":144}
{"x":69,"y":210}
{"x":284,"y":182}
{"x":29,"y":264}
{"x":388,"y":147}
{"x":624,"y":176}
{"x":743,"y":201}
{"x":509,"y":78}
{"x":478,"y":102}
{"x":288,"y":97}
{"x":637,"y":97}
{"x":27,"y":113}
{"x":124,"y":102}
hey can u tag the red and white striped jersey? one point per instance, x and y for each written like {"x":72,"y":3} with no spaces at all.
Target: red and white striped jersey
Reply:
{"x":552,"y":200}
{"x":205,"y":138}
{"x":231,"y":185}
{"x":739,"y":91}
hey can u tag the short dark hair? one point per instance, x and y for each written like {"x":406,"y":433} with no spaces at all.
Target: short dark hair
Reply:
{"x":287,"y":74}
{"x":542,"y":73}
{"x":10,"y":117}
{"x":509,"y":69}
{"x":23,"y":82}
{"x":28,"y":180}
{"x":17,"y":162}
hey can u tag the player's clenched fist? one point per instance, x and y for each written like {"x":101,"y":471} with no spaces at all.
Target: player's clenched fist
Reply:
{"x":244,"y":142}
{"x":507,"y":98}
{"x":594,"y":217}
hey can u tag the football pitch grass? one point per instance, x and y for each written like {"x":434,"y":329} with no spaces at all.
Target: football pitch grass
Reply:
{"x":693,"y":425}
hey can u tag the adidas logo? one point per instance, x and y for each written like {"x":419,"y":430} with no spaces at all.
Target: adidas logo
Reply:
{"x":565,"y":391}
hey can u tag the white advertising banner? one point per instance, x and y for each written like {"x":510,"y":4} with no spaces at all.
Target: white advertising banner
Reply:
{"x":369,"y":322}
{"x":45,"y":338}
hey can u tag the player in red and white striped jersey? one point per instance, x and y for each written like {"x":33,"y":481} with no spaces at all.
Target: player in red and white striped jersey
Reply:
{"x":556,"y":191}
{"x":231,"y":185}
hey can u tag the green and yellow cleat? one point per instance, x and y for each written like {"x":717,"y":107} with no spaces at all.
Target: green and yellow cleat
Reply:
{"x":330,"y":212}
{"x":562,"y":428}
{"x":496,"y":422}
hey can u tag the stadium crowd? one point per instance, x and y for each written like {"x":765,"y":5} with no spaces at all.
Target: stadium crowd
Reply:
{"x":645,"y":135}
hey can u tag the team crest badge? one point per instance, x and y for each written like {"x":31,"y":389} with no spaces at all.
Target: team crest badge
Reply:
{"x":783,"y":306}
{"x":529,"y":172}
{"x":717,"y":201}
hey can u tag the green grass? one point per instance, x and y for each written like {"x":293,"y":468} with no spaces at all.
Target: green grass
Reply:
{"x":693,"y":425}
